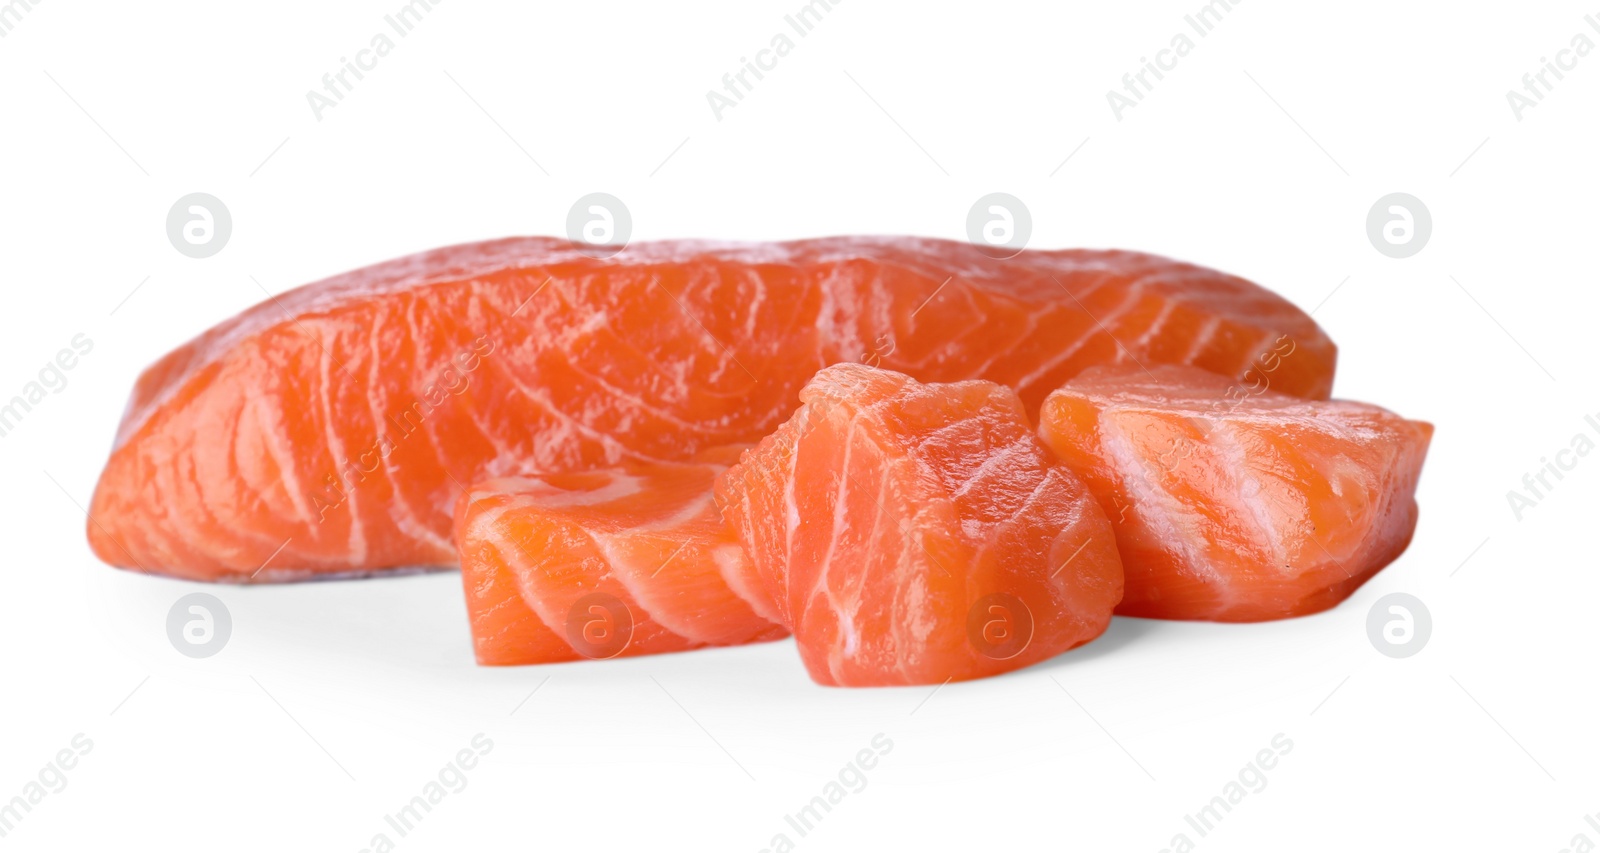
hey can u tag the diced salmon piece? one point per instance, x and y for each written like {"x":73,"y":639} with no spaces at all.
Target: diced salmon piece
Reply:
{"x":1233,"y":502}
{"x":632,"y":560}
{"x":917,"y":534}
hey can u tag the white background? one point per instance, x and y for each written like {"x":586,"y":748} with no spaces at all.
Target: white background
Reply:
{"x":335,"y":703}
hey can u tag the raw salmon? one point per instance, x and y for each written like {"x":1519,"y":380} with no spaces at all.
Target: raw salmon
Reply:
{"x":633,"y":560}
{"x":917,"y":534}
{"x":1232,"y":502}
{"x":330,"y":431}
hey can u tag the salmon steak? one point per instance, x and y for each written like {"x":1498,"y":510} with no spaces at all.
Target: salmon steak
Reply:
{"x":330,"y":431}
{"x":617,"y":562}
{"x":918,"y":534}
{"x":1232,"y":502}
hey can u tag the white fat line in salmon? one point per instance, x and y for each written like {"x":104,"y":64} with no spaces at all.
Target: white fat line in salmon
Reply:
{"x":1264,"y":364}
{"x":1179,"y":450}
{"x":52,"y":379}
{"x":883,"y":347}
{"x":1236,"y":395}
{"x":51,"y":779}
{"x":1251,"y":779}
{"x":1538,"y":483}
{"x":451,"y":779}
{"x":851,"y":779}
{"x":453,"y":381}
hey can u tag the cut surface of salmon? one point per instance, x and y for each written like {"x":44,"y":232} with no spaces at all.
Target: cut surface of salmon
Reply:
{"x":1232,"y":502}
{"x":632,"y":560}
{"x":330,"y":430}
{"x":917,"y":534}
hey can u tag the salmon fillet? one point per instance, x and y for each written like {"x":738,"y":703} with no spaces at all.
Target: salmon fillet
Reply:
{"x":331,"y":430}
{"x":633,"y":560}
{"x":1232,"y":502}
{"x":917,"y":534}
